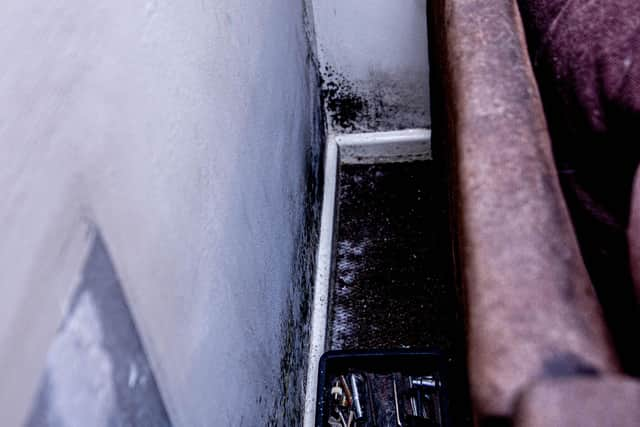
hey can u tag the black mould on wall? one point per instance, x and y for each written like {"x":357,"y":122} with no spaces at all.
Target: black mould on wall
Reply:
{"x":296,"y":320}
{"x":341,"y":99}
{"x":381,"y":102}
{"x":284,"y":405}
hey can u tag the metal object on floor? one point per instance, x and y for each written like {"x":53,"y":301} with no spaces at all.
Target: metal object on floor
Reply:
{"x":356,"y":382}
{"x":395,"y":401}
{"x":396,"y":387}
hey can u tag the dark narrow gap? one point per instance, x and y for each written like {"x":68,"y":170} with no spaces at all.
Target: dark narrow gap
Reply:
{"x":394,"y":273}
{"x":391,"y":284}
{"x":596,"y":169}
{"x":396,"y":283}
{"x":97,"y":372}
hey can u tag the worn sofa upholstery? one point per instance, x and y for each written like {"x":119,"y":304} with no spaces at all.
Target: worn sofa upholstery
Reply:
{"x":532,"y":312}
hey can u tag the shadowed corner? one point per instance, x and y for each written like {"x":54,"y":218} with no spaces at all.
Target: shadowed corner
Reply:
{"x":97,"y":372}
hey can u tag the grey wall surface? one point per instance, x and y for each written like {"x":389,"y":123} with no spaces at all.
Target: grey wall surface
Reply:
{"x":188,"y":133}
{"x":97,"y":373}
{"x":374,"y":62}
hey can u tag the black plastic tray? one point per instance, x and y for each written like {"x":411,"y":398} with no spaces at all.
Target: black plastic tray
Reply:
{"x":407,"y":362}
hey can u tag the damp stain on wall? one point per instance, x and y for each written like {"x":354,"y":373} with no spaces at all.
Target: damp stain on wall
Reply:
{"x":287,"y":400}
{"x":295,"y":324}
{"x":342,"y":100}
{"x":382,"y":102}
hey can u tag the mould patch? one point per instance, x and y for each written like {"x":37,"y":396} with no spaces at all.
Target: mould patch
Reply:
{"x":382,"y":102}
{"x":285,"y":405}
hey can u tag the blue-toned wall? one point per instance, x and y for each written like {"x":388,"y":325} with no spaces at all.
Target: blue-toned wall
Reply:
{"x":188,"y":133}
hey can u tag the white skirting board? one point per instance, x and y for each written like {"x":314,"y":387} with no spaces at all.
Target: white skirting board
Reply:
{"x":385,"y":147}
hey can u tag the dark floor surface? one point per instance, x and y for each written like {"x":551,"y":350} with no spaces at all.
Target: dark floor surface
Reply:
{"x":393,"y":284}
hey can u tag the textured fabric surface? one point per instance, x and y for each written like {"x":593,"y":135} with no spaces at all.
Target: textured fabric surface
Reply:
{"x":586,"y":55}
{"x":531,"y":310}
{"x":608,"y":400}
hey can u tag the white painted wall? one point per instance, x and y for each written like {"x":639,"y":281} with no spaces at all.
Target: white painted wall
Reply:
{"x":379,"y":49}
{"x":181,"y":130}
